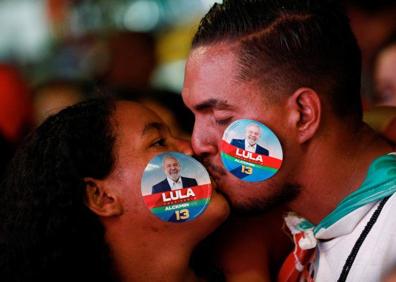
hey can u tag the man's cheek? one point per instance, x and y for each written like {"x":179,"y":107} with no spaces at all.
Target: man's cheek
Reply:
{"x":248,"y":165}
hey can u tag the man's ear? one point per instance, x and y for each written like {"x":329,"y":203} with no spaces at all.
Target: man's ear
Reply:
{"x":100,"y":199}
{"x":306,"y":107}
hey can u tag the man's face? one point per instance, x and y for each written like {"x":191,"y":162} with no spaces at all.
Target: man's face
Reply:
{"x":172,"y":168}
{"x":252,"y":134}
{"x":217,"y":97}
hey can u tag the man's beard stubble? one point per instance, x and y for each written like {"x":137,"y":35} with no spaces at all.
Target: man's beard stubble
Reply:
{"x":281,"y":194}
{"x":253,"y":207}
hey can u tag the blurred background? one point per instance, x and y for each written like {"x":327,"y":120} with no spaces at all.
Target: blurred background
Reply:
{"x":103,"y":39}
{"x":54,"y":53}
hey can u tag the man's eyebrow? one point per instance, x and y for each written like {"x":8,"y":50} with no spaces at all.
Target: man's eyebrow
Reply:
{"x":212,"y":103}
{"x":152,"y":126}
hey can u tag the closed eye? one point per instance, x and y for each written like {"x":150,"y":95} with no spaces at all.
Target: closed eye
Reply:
{"x":161,"y":142}
{"x":223,"y":122}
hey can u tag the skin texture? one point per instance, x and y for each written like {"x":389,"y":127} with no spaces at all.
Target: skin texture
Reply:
{"x":157,"y":250}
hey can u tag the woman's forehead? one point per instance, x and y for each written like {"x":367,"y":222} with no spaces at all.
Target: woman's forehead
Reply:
{"x":134,"y":115}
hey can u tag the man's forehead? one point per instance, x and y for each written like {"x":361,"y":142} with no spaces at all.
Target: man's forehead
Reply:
{"x":170,"y":160}
{"x":215,"y":84}
{"x":212,"y":52}
{"x":210,"y":73}
{"x":253,"y":127}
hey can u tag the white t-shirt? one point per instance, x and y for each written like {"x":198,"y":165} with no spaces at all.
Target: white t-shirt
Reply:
{"x":377,"y":254}
{"x":175,"y":185}
{"x":249,"y":147}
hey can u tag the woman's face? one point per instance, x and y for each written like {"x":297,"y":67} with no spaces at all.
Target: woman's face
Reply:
{"x":385,"y":77}
{"x":140,"y":136}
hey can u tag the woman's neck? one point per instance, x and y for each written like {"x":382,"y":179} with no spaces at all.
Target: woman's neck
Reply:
{"x":153,"y":262}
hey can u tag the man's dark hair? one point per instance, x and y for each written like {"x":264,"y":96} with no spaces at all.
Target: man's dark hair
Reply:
{"x":287,"y":44}
{"x":47,"y":233}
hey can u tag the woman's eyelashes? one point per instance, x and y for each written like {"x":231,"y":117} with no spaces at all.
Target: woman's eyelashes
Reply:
{"x":160,"y":142}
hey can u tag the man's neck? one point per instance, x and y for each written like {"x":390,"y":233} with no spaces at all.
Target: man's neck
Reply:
{"x":337,"y":167}
{"x":251,"y":145}
{"x":174,"y":180}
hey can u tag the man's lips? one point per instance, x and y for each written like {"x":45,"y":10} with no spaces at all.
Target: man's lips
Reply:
{"x":215,"y":170}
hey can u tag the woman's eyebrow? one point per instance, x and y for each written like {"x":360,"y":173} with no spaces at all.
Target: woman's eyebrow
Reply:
{"x":152,"y":126}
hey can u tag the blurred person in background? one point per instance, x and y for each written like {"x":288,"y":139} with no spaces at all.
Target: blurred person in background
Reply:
{"x":373,"y":22}
{"x":382,"y":116}
{"x":385,"y":74}
{"x":15,"y":112}
{"x":15,"y":104}
{"x":71,"y":206}
{"x":54,"y":95}
{"x":128,"y":60}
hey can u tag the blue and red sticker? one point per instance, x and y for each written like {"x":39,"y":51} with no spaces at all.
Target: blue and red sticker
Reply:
{"x":251,"y":151}
{"x":176,"y":187}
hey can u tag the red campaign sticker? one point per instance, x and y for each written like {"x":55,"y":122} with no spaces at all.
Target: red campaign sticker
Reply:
{"x":176,"y":187}
{"x":251,"y":151}
{"x":249,"y":156}
{"x":177,"y":196}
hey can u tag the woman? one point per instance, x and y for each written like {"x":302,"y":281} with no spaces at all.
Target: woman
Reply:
{"x":71,"y":207}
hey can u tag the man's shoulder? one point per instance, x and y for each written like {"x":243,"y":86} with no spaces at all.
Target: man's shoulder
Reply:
{"x":188,"y":180}
{"x":238,"y":141}
{"x":161,"y":184}
{"x":160,"y":187}
{"x":262,"y":150}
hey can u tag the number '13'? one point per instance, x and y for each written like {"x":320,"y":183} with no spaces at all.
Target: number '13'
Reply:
{"x":182,"y":214}
{"x":247,"y":169}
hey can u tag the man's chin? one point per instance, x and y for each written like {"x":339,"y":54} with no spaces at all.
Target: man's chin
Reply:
{"x":245,"y":202}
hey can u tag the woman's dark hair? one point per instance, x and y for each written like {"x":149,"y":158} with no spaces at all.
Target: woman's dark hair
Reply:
{"x":47,"y":233}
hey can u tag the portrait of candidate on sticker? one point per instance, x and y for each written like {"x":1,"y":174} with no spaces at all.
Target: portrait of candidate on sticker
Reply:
{"x":176,"y":187}
{"x":251,"y":151}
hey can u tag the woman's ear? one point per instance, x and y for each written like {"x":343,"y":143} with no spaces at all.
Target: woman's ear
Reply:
{"x":306,"y":106}
{"x":101,"y":199}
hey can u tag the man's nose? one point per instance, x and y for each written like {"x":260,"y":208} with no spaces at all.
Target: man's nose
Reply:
{"x":203,"y":142}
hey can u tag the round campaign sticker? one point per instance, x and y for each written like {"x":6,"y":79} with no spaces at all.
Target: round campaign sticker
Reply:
{"x":251,"y":151}
{"x":176,"y":187}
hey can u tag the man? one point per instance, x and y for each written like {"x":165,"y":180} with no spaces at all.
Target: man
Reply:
{"x":253,"y":134}
{"x":298,"y":66}
{"x":173,"y":180}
